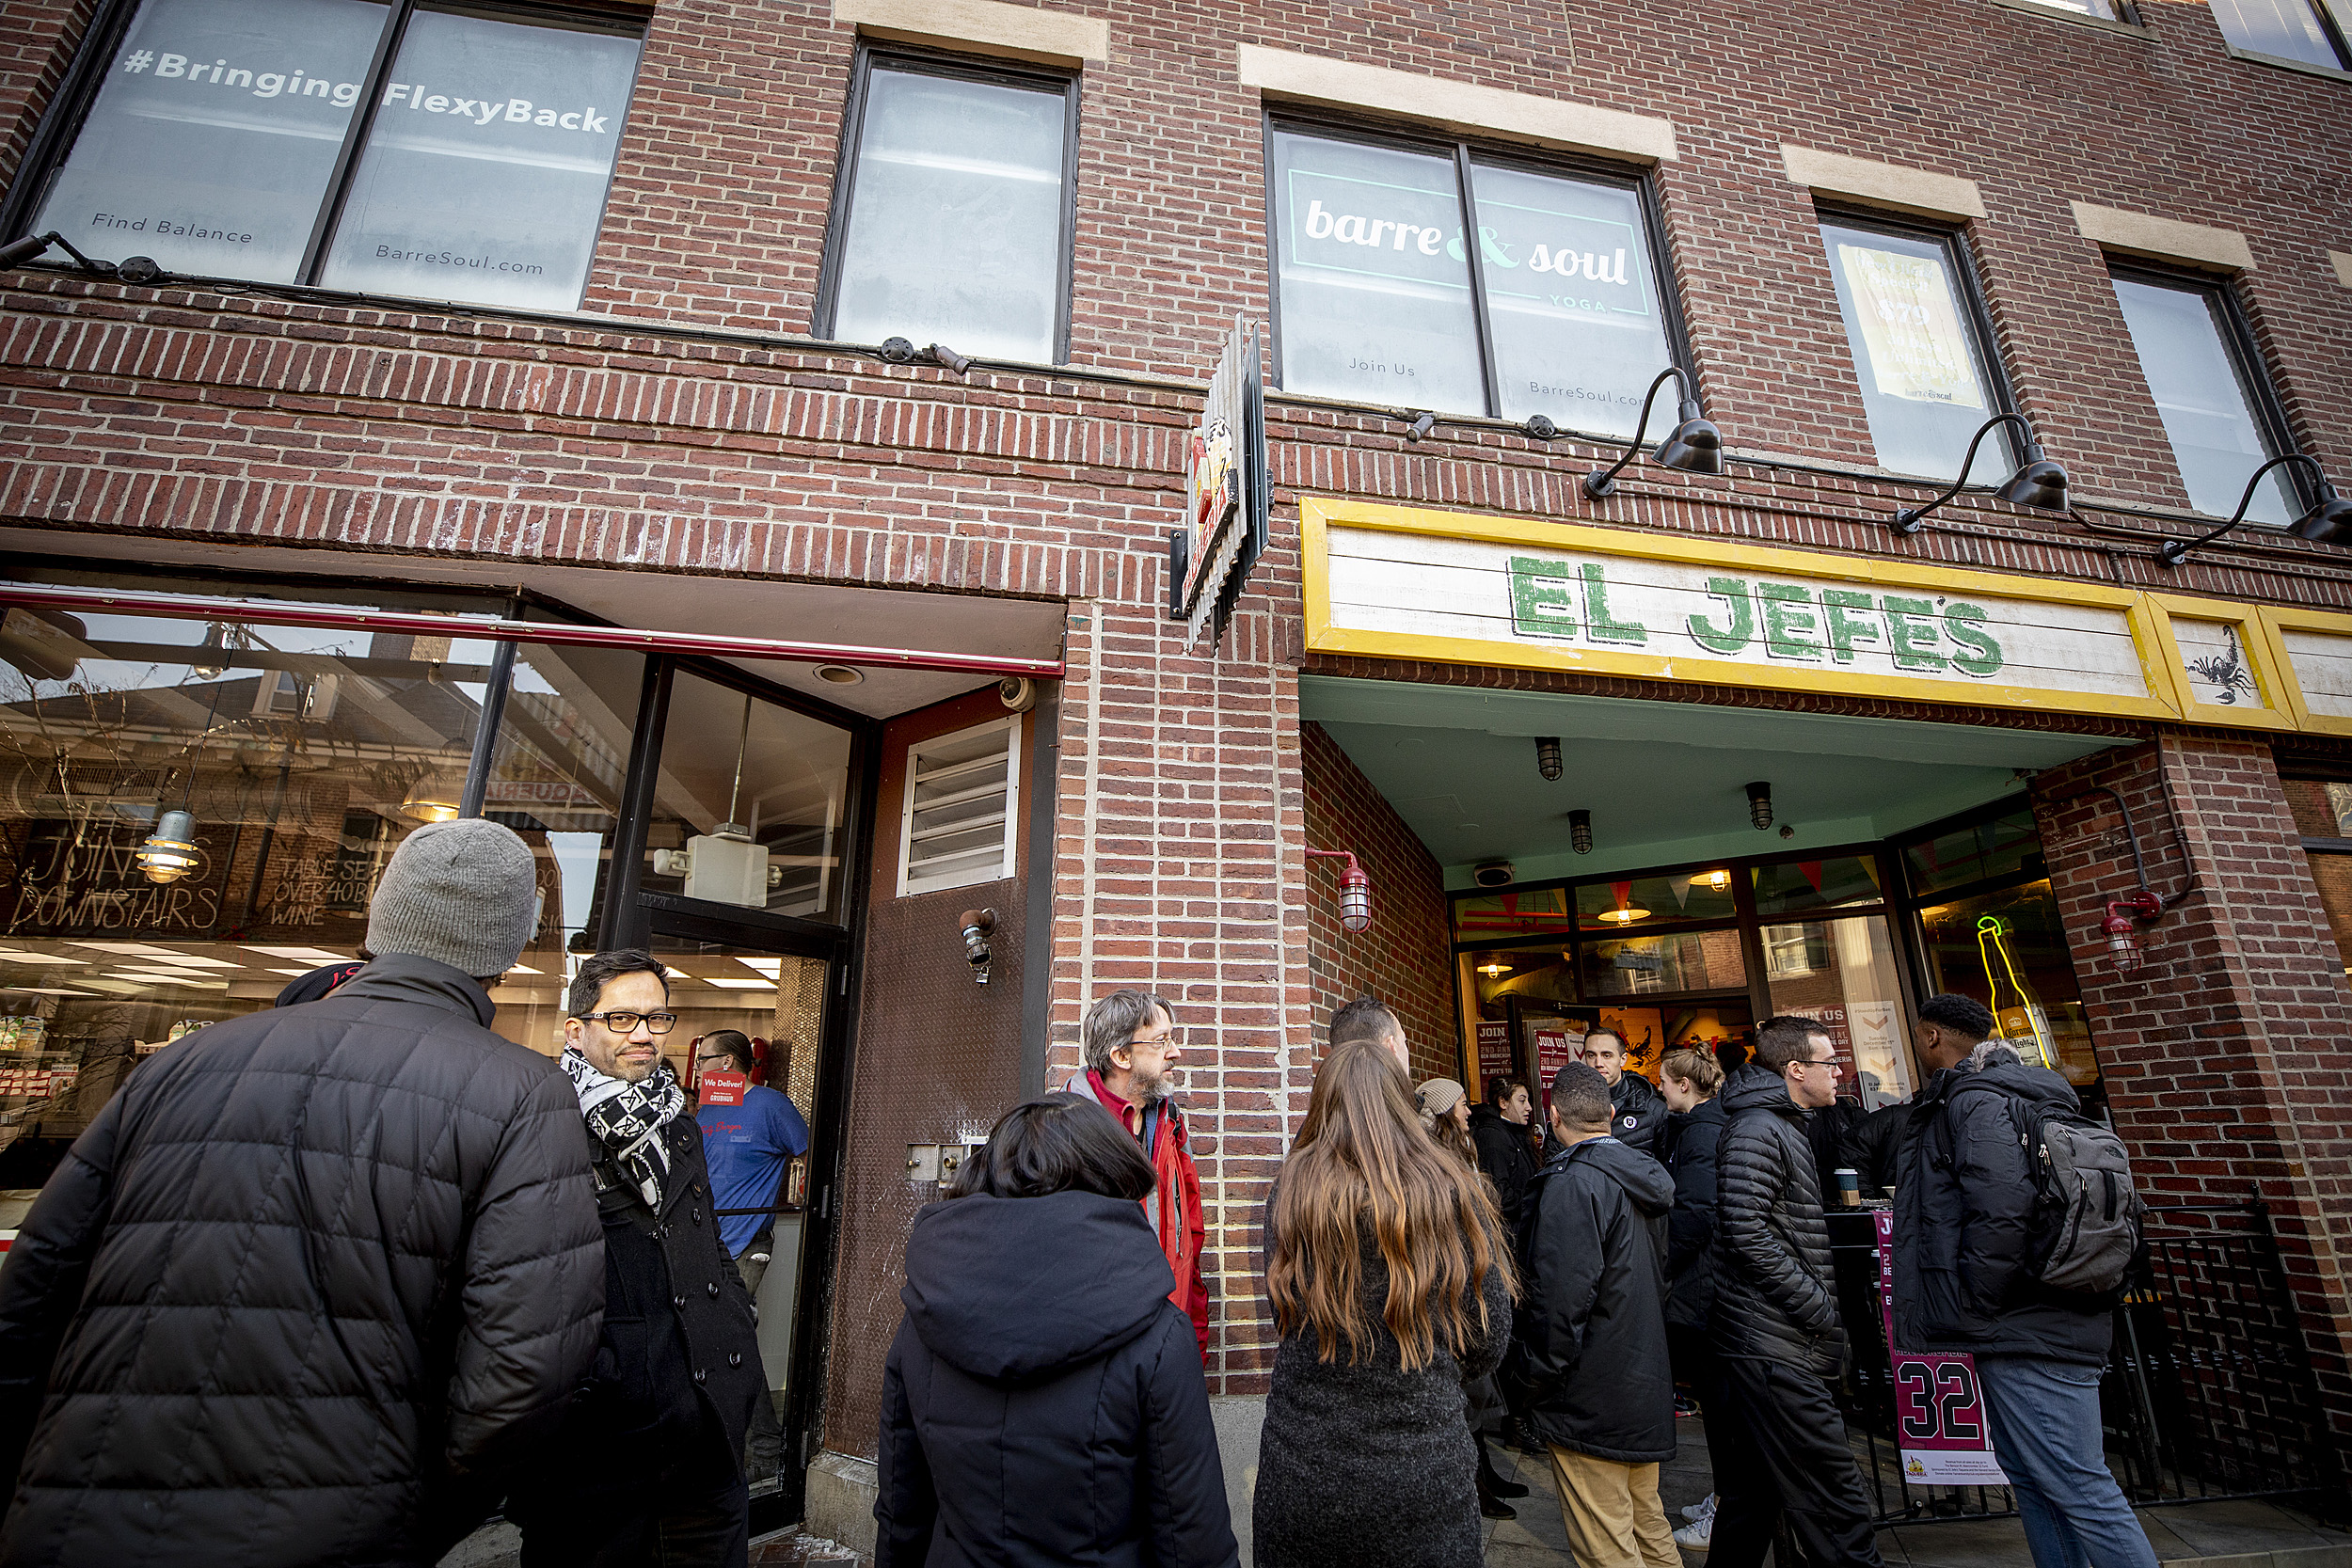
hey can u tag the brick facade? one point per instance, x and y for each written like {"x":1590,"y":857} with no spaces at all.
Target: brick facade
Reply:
{"x":682,"y":424}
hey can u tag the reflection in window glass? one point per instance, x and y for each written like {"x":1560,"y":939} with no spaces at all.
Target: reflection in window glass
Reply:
{"x":1578,"y":332}
{"x":2288,"y":29}
{"x":954,"y":231}
{"x":750,"y":815}
{"x":211,"y":142}
{"x":2007,"y":950}
{"x":2202,"y":395}
{"x":1842,"y":971}
{"x":2105,"y":9}
{"x":1370,"y":274}
{"x":2323,"y":809}
{"x":2001,"y":848}
{"x":1538,"y":976}
{"x":1507,"y":914}
{"x":1923,"y":378}
{"x":1838,"y":882}
{"x":1684,"y":896}
{"x":1693,"y":961}
{"x":486,"y":165}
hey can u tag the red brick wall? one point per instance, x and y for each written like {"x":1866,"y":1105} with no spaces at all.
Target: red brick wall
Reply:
{"x":2223,"y":1053}
{"x":1405,"y":958}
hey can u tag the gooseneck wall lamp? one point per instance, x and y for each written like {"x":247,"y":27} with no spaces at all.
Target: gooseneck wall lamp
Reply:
{"x":2038,"y":482}
{"x":2329,"y":521}
{"x":1354,"y":889}
{"x":1693,"y":444}
{"x":32,"y":248}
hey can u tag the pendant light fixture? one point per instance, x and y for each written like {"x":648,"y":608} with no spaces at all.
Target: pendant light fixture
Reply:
{"x":432,"y":799}
{"x":2038,"y":482}
{"x":1494,"y":967}
{"x":170,"y":852}
{"x":1354,"y":889}
{"x":1547,"y":756}
{"x":1627,"y":912}
{"x":1693,"y":445}
{"x":1581,"y":831}
{"x":2328,"y":522}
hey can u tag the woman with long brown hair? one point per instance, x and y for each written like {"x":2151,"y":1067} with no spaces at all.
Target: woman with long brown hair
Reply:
{"x":1391,"y":1285}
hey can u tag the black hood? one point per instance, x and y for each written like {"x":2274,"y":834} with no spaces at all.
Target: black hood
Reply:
{"x":1706,"y":1110}
{"x":1645,"y":1180}
{"x":1634,"y":1094}
{"x":1753,"y":1086}
{"x":1013,"y":1287}
{"x":2039,"y":1084}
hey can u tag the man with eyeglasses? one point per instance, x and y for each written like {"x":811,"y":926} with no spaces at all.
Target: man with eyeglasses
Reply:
{"x":678,"y":1373}
{"x":1780,"y":1444}
{"x":1131,"y":1044}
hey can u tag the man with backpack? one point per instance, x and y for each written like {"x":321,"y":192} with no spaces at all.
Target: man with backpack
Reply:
{"x":2015,"y":1228}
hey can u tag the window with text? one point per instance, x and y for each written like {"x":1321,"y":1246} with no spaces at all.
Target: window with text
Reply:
{"x":258,"y":139}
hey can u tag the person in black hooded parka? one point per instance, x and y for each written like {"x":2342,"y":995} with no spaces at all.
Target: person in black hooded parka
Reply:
{"x":1044,"y":1401}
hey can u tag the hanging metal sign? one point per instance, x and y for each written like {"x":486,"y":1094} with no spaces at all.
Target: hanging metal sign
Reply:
{"x":1225,"y":493}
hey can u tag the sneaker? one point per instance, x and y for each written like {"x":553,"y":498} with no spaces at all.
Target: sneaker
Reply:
{"x":1685,"y":1405}
{"x":1703,"y":1509}
{"x":1695,"y":1536}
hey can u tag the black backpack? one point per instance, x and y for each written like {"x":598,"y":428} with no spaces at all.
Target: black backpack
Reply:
{"x":2088,"y":1219}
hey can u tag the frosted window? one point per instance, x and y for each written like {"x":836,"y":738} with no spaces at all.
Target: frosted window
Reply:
{"x":2208,"y":413}
{"x":1571,"y":304}
{"x":1922,"y":375}
{"x":487,"y":166}
{"x":1373,"y":283}
{"x":955,"y":225}
{"x":2285,"y":28}
{"x":210,"y":145}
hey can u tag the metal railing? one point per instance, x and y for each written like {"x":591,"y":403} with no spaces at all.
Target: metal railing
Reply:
{"x":2208,"y":1393}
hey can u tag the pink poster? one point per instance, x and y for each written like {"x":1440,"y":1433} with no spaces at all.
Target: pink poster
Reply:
{"x":1552,"y":1053}
{"x":1939,"y":1414}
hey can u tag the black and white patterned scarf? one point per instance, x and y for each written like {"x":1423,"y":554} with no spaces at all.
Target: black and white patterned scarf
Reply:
{"x":628,"y":1118}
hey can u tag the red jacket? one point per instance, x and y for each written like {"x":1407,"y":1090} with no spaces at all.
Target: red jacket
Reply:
{"x":1174,"y":1206}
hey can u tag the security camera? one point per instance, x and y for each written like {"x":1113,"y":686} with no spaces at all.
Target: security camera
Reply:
{"x":1017,"y":693}
{"x":1493,"y":874}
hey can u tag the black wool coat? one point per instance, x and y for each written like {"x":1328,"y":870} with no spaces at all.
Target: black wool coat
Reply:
{"x":1044,"y":1401}
{"x":1691,"y":1142}
{"x":1364,"y":1462}
{"x":1590,"y":1348}
{"x":677,"y":1369}
{"x":1507,"y":1154}
{"x":309,"y":1285}
{"x":1775,"y":1296}
{"x":1964,"y":1224}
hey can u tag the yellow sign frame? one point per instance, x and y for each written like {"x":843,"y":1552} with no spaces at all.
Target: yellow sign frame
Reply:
{"x":2159,"y":657}
{"x":2277,"y":621}
{"x":2265,"y":660}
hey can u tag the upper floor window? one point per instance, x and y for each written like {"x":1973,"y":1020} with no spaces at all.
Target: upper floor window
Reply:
{"x":424,"y":148}
{"x":2284,"y":29}
{"x":2217,"y":408}
{"x":1567,"y":314}
{"x":953,"y":217}
{"x":1918,"y":339}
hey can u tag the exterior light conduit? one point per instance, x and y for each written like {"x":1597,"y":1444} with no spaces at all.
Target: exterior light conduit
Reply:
{"x":494,"y":628}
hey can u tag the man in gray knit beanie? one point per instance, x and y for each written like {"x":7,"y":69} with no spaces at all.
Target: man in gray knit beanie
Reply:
{"x":464,"y":893}
{"x":399,"y":1180}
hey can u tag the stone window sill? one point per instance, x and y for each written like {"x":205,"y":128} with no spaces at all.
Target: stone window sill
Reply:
{"x":2060,"y":13}
{"x":2329,"y":71}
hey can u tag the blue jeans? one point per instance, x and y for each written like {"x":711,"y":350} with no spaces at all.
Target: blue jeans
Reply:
{"x":2044,"y":1420}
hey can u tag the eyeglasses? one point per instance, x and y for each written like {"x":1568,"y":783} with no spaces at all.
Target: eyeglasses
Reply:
{"x":1165,"y":1042}
{"x":1816,"y":1061}
{"x":627,"y":1022}
{"x":713,"y":1061}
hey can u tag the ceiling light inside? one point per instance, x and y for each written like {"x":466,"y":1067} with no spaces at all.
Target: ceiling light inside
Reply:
{"x":839,"y":674}
{"x":729,"y":982}
{"x":1625,"y":915}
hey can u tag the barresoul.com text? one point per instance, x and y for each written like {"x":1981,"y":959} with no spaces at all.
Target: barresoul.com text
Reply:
{"x":450,"y":259}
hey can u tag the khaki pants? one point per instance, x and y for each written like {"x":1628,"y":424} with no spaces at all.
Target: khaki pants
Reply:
{"x":1612,"y":1513}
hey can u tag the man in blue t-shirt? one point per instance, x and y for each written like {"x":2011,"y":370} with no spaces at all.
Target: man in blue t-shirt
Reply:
{"x":751,"y":1148}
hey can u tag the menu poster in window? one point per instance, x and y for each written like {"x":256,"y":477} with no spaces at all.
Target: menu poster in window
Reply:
{"x":487,"y":163}
{"x":1831,"y":1016}
{"x":1556,"y":1046}
{"x":213,"y":133}
{"x":1494,"y":1052}
{"x":1910,"y":327}
{"x":1939,"y":1408}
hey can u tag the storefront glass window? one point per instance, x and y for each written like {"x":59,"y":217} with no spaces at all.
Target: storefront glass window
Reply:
{"x":1639,"y":900}
{"x":193,"y":816}
{"x":2323,"y":811}
{"x":2007,"y":950}
{"x":1804,"y":887}
{"x":751,"y":803}
{"x":982,"y":160}
{"x":1692,"y":960}
{"x":2002,"y":847}
{"x":1842,"y":971}
{"x":1510,"y":914}
{"x":1538,"y":976}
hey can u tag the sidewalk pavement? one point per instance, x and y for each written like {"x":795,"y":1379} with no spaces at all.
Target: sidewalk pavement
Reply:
{"x":2237,"y":1534}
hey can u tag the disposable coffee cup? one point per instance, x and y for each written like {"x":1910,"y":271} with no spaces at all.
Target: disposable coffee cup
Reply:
{"x":1848,"y":1188}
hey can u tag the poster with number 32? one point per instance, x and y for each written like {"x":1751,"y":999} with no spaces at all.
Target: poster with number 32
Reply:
{"x":1939,"y":1412}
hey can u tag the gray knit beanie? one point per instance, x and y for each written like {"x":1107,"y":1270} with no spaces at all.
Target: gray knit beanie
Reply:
{"x":463,"y":892}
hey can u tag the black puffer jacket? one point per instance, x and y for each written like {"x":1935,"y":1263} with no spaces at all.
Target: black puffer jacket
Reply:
{"x":1640,"y":1112}
{"x":1873,"y":1147}
{"x":1589,"y":1347}
{"x":1507,"y":1155}
{"x":679,"y":1355}
{"x":1775,"y":1297}
{"x":307,"y":1284}
{"x":1044,"y":1403}
{"x":1693,"y":1140}
{"x":1963,"y":1223}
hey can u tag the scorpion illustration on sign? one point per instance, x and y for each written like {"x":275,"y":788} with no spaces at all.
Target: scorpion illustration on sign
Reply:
{"x":2229,"y":675}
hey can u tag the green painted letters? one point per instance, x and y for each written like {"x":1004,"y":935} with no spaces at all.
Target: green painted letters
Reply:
{"x":1846,"y":628}
{"x":1789,"y":632}
{"x":1913,"y":645}
{"x":1542,"y":600}
{"x":1739,"y":629}
{"x":1597,"y":624}
{"x":1980,"y":655}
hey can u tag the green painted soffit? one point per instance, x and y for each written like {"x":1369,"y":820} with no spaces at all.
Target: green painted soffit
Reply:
{"x":1663,"y":781}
